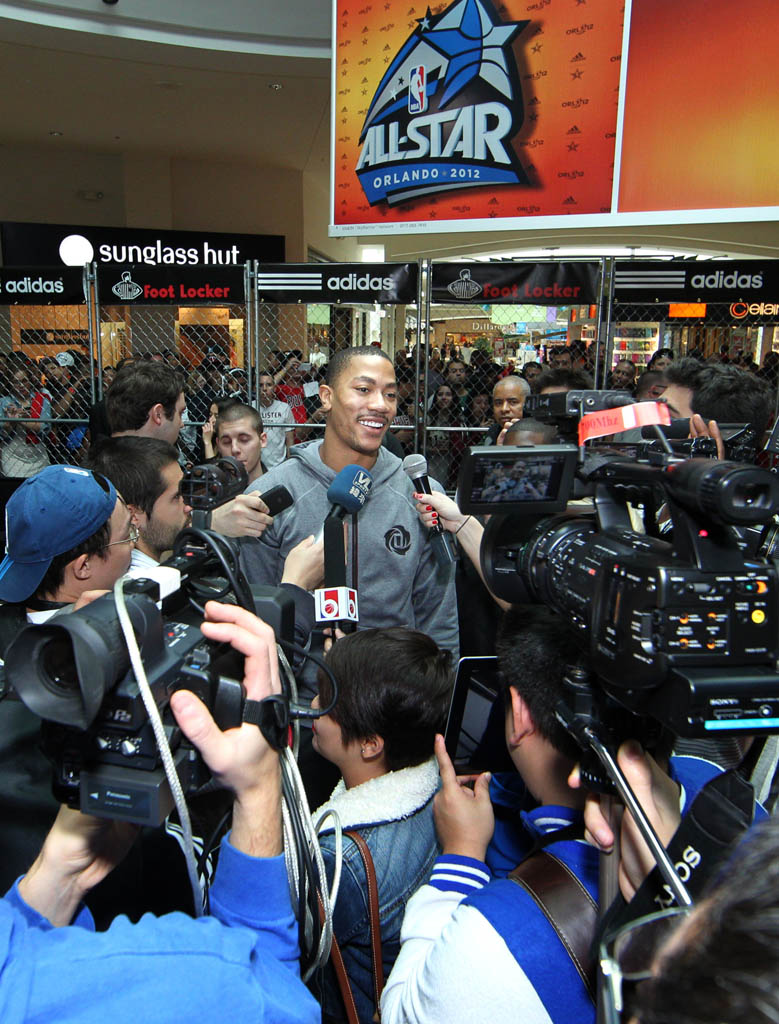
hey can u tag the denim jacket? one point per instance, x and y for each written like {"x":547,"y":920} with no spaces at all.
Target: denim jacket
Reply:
{"x":394,"y":815}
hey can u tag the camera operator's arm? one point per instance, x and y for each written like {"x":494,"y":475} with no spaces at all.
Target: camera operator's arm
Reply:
{"x":240,"y":759}
{"x":78,"y":852}
{"x":657,"y":793}
{"x":245,"y":516}
{"x":437,"y":507}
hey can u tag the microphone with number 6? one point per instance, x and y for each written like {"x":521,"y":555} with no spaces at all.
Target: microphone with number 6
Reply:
{"x":415,"y":468}
{"x":335,"y":602}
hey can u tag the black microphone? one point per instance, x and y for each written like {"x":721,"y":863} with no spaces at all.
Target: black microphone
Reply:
{"x":415,"y":468}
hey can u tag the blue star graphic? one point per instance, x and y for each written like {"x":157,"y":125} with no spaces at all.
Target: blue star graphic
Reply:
{"x":473,"y":44}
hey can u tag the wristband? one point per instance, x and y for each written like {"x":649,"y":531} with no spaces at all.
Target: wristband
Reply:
{"x":462,"y":524}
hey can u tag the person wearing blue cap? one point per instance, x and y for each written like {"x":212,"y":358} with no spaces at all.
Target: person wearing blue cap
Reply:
{"x":67,"y":532}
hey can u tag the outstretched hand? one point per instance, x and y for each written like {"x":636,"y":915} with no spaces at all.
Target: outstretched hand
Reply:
{"x":464,"y":818}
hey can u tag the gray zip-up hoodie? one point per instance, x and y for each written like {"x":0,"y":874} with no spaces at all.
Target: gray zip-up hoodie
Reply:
{"x":397,"y":581}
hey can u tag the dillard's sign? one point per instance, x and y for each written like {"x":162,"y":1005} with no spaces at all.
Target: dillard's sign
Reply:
{"x":445,"y":112}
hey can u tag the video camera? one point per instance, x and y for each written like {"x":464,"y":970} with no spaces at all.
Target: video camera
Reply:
{"x":74,"y":670}
{"x":680,"y":627}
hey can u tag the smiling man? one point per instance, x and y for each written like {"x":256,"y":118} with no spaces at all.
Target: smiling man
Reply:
{"x":395,"y":572}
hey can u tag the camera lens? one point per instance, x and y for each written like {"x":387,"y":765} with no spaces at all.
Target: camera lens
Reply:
{"x":58,"y":668}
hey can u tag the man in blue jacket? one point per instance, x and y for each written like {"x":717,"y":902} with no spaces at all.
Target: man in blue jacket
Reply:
{"x":240,"y":962}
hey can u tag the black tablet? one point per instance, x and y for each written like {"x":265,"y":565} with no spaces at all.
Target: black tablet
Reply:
{"x":475,"y":728}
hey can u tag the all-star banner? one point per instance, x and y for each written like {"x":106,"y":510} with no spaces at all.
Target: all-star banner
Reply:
{"x":538,"y":284}
{"x":647,"y":281}
{"x":484,"y":114}
{"x":473,"y":110}
{"x":387,"y":283}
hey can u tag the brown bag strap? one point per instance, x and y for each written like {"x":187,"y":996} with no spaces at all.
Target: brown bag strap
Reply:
{"x":567,"y":905}
{"x":373,"y":906}
{"x":344,"y":987}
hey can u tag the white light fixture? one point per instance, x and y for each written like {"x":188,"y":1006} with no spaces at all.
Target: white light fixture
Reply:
{"x":75,"y":251}
{"x":372,"y":253}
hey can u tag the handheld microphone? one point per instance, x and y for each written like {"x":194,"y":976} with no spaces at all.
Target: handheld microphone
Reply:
{"x":347,"y":494}
{"x":349,"y":491}
{"x":415,"y":468}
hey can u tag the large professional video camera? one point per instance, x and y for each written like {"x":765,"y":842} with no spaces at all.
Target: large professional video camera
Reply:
{"x":74,"y":671}
{"x":680,"y":626}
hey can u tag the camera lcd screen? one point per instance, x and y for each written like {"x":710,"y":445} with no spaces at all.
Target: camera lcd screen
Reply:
{"x":532,"y":479}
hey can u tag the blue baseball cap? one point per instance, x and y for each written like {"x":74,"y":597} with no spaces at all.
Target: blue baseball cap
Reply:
{"x":49,"y":514}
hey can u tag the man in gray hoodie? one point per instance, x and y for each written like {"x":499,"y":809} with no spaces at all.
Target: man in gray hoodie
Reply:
{"x":397,"y":580}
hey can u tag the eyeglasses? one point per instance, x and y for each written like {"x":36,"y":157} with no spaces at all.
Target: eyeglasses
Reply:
{"x":132,"y":537}
{"x":627,"y":954}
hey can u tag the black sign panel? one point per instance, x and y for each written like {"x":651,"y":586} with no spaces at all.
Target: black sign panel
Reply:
{"x":537,"y":284}
{"x":650,"y":281}
{"x":41,"y":286}
{"x":171,"y":286}
{"x":47,"y":245}
{"x":386,"y":283}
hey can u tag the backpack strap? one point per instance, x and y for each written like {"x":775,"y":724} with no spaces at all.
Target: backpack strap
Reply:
{"x":567,"y":906}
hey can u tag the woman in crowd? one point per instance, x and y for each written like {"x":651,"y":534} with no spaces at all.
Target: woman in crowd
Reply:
{"x":444,"y":447}
{"x":393,"y":693}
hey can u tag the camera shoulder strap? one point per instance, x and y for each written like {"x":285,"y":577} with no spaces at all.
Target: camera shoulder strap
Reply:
{"x":567,"y":906}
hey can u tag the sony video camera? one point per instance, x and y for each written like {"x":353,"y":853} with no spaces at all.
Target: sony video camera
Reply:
{"x":681,"y":627}
{"x":74,"y":671}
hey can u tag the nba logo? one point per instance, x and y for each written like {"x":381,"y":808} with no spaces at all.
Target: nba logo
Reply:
{"x":417,"y":90}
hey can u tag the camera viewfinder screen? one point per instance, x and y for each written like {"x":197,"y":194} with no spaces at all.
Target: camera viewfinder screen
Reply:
{"x":526,"y":478}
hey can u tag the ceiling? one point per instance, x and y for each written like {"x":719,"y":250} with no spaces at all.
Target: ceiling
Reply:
{"x":118,"y":95}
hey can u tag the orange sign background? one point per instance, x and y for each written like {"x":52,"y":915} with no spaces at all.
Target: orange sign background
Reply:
{"x":701,"y":106}
{"x":568,"y":59}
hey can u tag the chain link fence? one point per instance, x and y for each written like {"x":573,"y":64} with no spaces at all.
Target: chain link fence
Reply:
{"x":58,"y":360}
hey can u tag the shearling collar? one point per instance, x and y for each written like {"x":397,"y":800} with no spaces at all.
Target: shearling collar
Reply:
{"x":390,"y":797}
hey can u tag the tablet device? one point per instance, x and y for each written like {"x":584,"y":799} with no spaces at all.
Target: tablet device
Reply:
{"x":475,"y":729}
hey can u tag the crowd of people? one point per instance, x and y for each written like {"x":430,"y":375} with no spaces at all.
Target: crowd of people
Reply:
{"x":464,"y":930}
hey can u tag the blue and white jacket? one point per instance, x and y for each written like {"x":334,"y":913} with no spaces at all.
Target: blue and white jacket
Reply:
{"x":476,"y":947}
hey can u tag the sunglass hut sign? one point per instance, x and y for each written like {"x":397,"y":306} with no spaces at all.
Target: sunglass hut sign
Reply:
{"x":444,"y":113}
